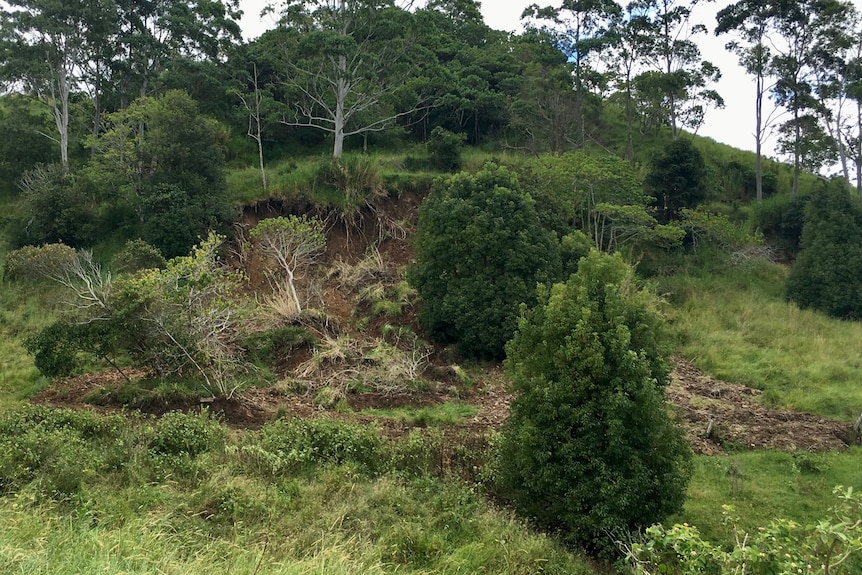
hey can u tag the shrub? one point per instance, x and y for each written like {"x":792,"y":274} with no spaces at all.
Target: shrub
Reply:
{"x":301,"y":444}
{"x":138,"y":255}
{"x":832,"y":546}
{"x":827,"y":275}
{"x":187,"y":434}
{"x":677,"y":178}
{"x":589,"y":447}
{"x":37,"y":263}
{"x":780,"y":220}
{"x":480,"y":251}
{"x":56,"y":208}
{"x":444,"y":149}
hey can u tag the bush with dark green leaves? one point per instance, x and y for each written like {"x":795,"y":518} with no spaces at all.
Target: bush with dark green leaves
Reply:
{"x":589,"y":448}
{"x":677,"y":178}
{"x":444,"y":149}
{"x":480,"y":251}
{"x":138,"y":255}
{"x":827,"y":274}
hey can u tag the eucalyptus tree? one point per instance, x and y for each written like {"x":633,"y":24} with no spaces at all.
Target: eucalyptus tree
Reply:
{"x":676,"y":85}
{"x":803,"y":28}
{"x":344,"y":61}
{"x":45,"y":49}
{"x":581,"y":31}
{"x":152,"y":33}
{"x":752,"y":22}
{"x":835,"y":75}
{"x":630,"y":41}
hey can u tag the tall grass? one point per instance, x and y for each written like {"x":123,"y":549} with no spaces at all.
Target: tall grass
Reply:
{"x":734,"y":324}
{"x":83,"y":493}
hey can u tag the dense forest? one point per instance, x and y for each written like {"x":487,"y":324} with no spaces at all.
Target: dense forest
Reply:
{"x":387,"y":290}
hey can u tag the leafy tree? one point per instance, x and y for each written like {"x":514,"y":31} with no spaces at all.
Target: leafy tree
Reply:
{"x":752,"y":21}
{"x":166,"y":161}
{"x":589,"y":447}
{"x":47,"y":46}
{"x":480,"y":251}
{"x":677,"y":177}
{"x":804,"y":28}
{"x":580,"y":29}
{"x":676,"y":88}
{"x":827,"y":274}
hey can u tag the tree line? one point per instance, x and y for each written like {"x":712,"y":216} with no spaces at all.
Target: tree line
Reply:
{"x":361,"y":72}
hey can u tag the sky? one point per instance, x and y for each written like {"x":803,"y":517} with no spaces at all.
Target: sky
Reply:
{"x":731,"y":125}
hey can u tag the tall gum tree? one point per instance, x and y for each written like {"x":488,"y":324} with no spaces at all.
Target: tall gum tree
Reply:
{"x":752,"y":22}
{"x":343,"y":64}
{"x":45,"y":47}
{"x":678,"y":79}
{"x":581,"y":31}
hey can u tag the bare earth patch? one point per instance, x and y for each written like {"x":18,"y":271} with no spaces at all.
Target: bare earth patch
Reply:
{"x":740,"y":421}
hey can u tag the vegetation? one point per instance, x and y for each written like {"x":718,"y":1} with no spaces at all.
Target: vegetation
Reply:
{"x":480,"y":250}
{"x":589,"y":447}
{"x":824,"y":274}
{"x":134,"y":136}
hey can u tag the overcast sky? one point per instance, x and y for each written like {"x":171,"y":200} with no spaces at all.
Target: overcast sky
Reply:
{"x":732,"y":125}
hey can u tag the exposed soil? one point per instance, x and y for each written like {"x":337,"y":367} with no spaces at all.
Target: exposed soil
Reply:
{"x":739,"y":421}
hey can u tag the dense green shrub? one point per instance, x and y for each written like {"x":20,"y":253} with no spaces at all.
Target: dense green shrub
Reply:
{"x":677,"y":178}
{"x":589,"y":447}
{"x":827,"y":274}
{"x":444,"y":149}
{"x":780,"y":220}
{"x":480,"y":251}
{"x":187,"y":434}
{"x":138,"y":255}
{"x":55,"y":208}
{"x":300,"y":444}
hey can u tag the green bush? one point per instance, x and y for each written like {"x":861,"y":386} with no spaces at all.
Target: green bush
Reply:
{"x":589,"y":447}
{"x":480,"y":251}
{"x":444,"y":149}
{"x":677,"y":178}
{"x":302,"y":444}
{"x":37,"y":263}
{"x":138,"y":255}
{"x":832,"y":546}
{"x":827,"y":274}
{"x":780,"y":220}
{"x":187,"y":434}
{"x":56,"y":209}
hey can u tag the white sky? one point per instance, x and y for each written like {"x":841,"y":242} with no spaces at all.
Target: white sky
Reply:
{"x":732,"y":125}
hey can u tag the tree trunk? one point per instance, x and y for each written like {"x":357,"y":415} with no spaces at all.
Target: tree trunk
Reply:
{"x":341,"y":92}
{"x":758,"y":139}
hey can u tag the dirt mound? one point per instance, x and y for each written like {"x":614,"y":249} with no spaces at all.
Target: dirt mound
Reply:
{"x":740,"y":422}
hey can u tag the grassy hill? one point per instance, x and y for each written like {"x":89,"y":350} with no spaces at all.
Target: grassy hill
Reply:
{"x":359,"y":447}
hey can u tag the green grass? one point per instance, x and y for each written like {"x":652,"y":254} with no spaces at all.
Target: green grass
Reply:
{"x":766,"y":485}
{"x":85,"y":493}
{"x":734,"y":324}
{"x":449,"y":413}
